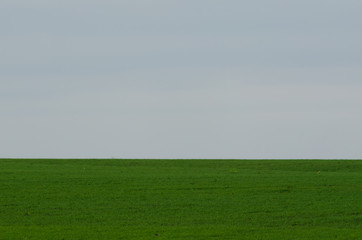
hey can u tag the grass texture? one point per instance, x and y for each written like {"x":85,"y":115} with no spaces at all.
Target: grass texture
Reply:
{"x":180,"y":199}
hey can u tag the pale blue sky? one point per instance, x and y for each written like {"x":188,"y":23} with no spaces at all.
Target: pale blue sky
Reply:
{"x":181,"y":79}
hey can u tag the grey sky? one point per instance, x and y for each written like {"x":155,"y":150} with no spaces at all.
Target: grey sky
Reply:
{"x":181,"y":79}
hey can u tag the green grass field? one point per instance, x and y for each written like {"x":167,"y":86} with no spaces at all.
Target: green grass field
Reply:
{"x":180,"y":199}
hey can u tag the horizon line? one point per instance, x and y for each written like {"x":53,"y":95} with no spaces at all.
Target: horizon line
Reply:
{"x":112,"y":158}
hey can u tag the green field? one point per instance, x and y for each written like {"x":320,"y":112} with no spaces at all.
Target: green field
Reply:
{"x":180,"y":199}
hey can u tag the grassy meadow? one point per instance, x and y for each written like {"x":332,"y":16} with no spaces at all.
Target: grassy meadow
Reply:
{"x":180,"y":199}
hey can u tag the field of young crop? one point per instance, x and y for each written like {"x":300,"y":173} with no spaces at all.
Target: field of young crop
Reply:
{"x":180,"y":199}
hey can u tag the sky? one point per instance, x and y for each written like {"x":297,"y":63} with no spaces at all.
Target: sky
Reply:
{"x":181,"y":79}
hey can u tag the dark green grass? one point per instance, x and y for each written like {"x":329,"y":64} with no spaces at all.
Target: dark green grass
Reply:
{"x":180,"y":199}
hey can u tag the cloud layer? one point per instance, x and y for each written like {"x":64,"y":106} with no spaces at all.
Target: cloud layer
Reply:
{"x":181,"y":79}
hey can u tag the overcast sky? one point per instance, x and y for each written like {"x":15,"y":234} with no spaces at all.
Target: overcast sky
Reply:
{"x":181,"y":79}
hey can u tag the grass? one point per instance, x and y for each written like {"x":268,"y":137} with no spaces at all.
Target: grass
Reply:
{"x":180,"y":199}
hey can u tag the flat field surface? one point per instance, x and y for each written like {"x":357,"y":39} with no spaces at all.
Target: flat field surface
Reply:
{"x":180,"y":199}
